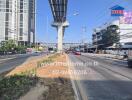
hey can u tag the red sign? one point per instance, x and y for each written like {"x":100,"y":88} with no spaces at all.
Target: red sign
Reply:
{"x":117,"y":12}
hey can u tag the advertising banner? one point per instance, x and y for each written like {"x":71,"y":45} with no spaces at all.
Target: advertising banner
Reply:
{"x":127,"y":18}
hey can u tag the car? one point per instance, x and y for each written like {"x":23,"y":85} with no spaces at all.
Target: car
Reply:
{"x":90,"y":51}
{"x":52,"y":51}
{"x":77,"y":53}
{"x":69,"y":51}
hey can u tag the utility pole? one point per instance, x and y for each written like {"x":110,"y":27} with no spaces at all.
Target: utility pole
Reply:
{"x":83,"y":34}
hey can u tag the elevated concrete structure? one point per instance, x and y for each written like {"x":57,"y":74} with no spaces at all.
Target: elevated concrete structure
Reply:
{"x":59,"y":11}
{"x":66,"y":45}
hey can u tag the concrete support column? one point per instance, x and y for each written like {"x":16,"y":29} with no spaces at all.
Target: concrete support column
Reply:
{"x":60,"y":28}
{"x":60,"y":38}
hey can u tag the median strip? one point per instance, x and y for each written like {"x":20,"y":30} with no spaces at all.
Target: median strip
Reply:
{"x":53,"y":86}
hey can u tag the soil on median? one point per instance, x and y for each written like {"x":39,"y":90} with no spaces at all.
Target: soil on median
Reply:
{"x":50,"y":85}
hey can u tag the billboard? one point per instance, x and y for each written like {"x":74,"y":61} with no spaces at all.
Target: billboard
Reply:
{"x":117,"y":11}
{"x":127,"y":18}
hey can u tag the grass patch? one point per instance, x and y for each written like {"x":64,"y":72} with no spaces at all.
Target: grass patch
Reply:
{"x":54,"y":56}
{"x":49,"y":60}
{"x":13,"y":87}
{"x":30,"y":73}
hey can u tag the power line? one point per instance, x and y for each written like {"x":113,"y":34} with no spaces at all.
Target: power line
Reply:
{"x":102,"y":15}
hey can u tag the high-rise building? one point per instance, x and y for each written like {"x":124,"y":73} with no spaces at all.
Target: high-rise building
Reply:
{"x":17,"y":21}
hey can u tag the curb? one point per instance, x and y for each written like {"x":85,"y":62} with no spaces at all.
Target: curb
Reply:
{"x":74,"y":84}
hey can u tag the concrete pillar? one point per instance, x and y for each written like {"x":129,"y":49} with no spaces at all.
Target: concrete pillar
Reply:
{"x":60,"y":27}
{"x":60,"y":38}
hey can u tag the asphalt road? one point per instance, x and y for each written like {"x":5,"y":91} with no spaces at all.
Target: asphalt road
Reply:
{"x":103,"y":79}
{"x":7,"y":64}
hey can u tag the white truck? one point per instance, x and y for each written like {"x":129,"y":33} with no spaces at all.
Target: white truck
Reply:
{"x":130,"y":58}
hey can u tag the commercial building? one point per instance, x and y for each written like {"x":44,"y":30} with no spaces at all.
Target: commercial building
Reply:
{"x":17,"y":21}
{"x":125,"y":31}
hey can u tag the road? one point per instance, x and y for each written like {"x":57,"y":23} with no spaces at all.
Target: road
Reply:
{"x":104,"y":79}
{"x":8,"y":63}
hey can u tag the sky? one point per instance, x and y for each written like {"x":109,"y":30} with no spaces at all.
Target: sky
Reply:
{"x":92,"y":14}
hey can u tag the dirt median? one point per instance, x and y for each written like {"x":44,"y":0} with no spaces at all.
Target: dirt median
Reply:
{"x":52,"y":82}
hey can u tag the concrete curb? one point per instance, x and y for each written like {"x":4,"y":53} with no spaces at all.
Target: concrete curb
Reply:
{"x":76,"y":96}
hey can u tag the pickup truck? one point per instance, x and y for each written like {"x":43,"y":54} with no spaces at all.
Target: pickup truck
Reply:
{"x":129,"y":61}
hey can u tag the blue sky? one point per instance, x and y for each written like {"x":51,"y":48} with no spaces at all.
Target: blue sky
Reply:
{"x":92,"y":13}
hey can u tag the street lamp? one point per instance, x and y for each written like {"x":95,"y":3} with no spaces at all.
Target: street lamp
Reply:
{"x":83,"y":34}
{"x":74,"y":14}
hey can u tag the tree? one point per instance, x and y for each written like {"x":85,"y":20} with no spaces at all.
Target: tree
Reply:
{"x":20,"y":49}
{"x":8,"y":46}
{"x":110,"y":35}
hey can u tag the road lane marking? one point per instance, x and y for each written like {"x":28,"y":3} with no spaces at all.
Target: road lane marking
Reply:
{"x":7,"y":59}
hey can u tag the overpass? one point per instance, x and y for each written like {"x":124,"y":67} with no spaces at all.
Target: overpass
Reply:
{"x":66,"y":45}
{"x":59,"y":12}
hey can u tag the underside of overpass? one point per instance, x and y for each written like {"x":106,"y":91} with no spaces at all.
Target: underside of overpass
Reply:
{"x":59,"y":12}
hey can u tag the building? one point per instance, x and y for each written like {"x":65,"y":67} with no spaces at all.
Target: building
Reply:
{"x":125,"y":31}
{"x":17,"y":21}
{"x":97,"y":37}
